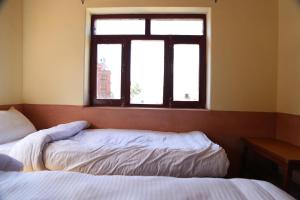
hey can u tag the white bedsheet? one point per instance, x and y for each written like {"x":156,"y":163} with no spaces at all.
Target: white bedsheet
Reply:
{"x":136,"y":152}
{"x":5,"y":148}
{"x":73,"y":186}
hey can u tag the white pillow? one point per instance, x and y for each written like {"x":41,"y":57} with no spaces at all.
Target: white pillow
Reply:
{"x":14,"y":125}
{"x":9,"y":164}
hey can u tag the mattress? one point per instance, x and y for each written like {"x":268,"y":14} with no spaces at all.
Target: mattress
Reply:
{"x":5,"y":148}
{"x":136,"y":152}
{"x":73,"y":186}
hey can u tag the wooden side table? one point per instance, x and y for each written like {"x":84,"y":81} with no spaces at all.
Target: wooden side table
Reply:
{"x":285,"y":155}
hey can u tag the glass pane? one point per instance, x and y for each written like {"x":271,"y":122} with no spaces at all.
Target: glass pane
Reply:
{"x":177,"y":27}
{"x":120,"y":27}
{"x":109,"y":58}
{"x":147,"y":72}
{"x":186,"y":72}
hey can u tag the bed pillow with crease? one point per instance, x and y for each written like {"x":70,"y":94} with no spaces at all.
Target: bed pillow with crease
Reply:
{"x":14,"y":125}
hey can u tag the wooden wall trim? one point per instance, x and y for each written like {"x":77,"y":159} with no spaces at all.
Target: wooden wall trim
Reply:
{"x":17,"y":106}
{"x":224,"y":127}
{"x":288,"y":128}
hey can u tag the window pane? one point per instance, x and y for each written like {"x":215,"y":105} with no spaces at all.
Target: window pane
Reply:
{"x":186,"y":72}
{"x":147,"y":72}
{"x":109,"y":58}
{"x":177,"y":27}
{"x":120,"y":27}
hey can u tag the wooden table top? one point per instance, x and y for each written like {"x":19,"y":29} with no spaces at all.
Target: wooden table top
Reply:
{"x":281,"y":150}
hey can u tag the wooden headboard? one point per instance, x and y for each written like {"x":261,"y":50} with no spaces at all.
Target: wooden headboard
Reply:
{"x":17,"y":106}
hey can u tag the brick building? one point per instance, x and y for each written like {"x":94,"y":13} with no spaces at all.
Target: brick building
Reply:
{"x":103,"y":81}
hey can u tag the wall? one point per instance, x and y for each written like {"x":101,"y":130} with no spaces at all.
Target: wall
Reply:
{"x":289,"y":57}
{"x":53,"y":51}
{"x":10,"y":51}
{"x":244,"y":45}
{"x":288,"y":95}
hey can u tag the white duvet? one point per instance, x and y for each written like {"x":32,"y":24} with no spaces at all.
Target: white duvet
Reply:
{"x":136,"y":152}
{"x":6,"y":147}
{"x":68,"y":147}
{"x":76,"y":186}
{"x":29,"y":150}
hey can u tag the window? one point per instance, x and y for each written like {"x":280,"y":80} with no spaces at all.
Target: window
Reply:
{"x":154,"y":60}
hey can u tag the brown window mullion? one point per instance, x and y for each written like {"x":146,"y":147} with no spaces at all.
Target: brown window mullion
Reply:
{"x":92,"y":76}
{"x":202,"y":74}
{"x":168,"y":76}
{"x":148,"y":27}
{"x":126,"y":64}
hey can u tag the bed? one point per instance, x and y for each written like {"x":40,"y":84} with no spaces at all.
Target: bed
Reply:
{"x":13,"y":127}
{"x":137,"y":152}
{"x":72,"y":147}
{"x":6,"y":147}
{"x":73,"y":186}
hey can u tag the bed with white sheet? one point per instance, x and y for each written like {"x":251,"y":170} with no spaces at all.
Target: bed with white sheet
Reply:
{"x":73,"y":186}
{"x":73,"y":147}
{"x":6,"y":147}
{"x":13,"y":127}
{"x":68,"y":147}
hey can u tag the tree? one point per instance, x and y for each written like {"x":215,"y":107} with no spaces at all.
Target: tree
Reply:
{"x":135,"y":90}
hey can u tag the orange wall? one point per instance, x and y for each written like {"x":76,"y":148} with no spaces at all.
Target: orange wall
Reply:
{"x":11,"y":52}
{"x":288,"y":85}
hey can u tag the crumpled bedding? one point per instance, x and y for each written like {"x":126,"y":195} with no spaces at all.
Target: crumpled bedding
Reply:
{"x":137,"y":152}
{"x":29,"y":150}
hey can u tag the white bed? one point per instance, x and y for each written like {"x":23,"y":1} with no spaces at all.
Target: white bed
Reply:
{"x":13,"y":127}
{"x":136,"y":152}
{"x":6,"y":147}
{"x":73,"y":186}
{"x":68,"y":147}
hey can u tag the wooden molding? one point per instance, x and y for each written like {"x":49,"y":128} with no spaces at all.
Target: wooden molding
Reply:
{"x":17,"y":106}
{"x":288,"y":128}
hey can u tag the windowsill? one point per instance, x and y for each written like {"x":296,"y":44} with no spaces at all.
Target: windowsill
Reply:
{"x":146,"y":108}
